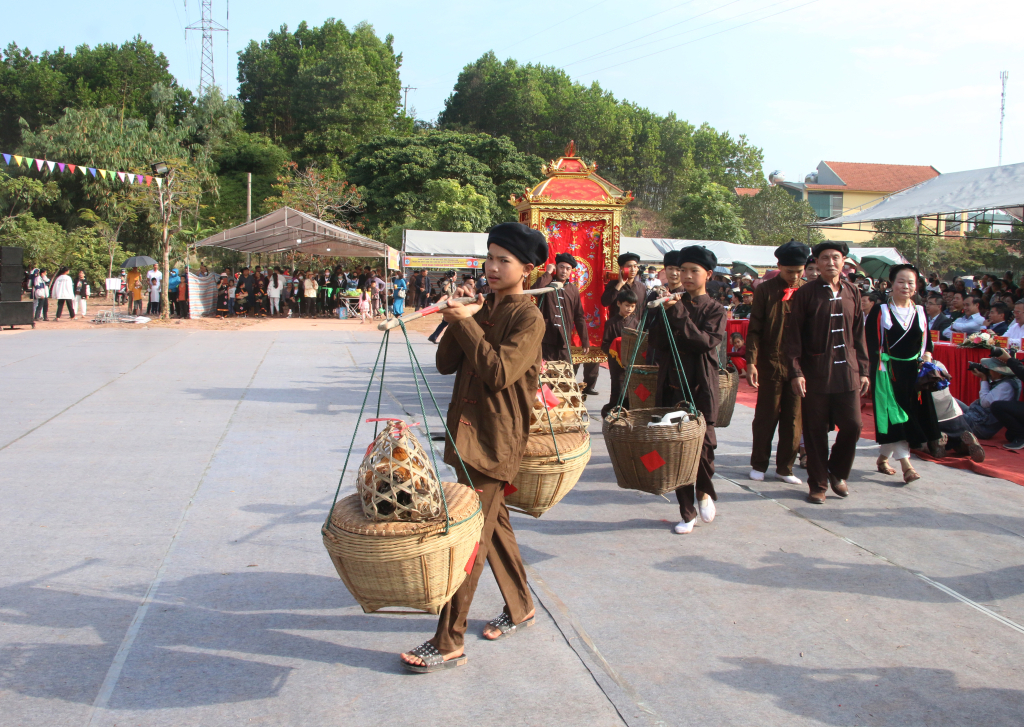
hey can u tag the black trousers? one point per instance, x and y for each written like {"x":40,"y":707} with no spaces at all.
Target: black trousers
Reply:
{"x":687,"y":495}
{"x":1011,"y":415}
{"x":437,"y":331}
{"x":818,"y":411}
{"x":61,"y":302}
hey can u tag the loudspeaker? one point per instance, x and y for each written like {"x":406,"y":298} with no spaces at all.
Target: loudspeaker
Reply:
{"x":11,"y":256}
{"x":10,"y":291}
{"x":16,"y":314}
{"x":12,"y":274}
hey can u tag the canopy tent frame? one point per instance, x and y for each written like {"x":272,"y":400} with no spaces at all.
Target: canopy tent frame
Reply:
{"x":290,"y":230}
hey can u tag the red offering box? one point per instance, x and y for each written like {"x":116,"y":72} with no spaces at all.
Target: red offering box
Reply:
{"x":957,"y":339}
{"x":1002,"y":341}
{"x":935,"y":336}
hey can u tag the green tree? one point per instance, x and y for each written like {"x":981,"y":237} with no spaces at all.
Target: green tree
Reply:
{"x":48,"y":245}
{"x":392,"y":173}
{"x":312,"y":191}
{"x":239,"y":155}
{"x":321,"y":91}
{"x":20,"y":193}
{"x":708,"y":212}
{"x":774,"y":217}
{"x":446,"y":206}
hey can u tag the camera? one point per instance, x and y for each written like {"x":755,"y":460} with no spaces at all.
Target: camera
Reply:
{"x":997,"y":352}
{"x":975,"y":366}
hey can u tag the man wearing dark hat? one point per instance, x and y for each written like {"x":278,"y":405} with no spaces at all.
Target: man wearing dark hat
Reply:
{"x":767,"y":371}
{"x":562,"y":306}
{"x":493,"y":348}
{"x":697,"y":323}
{"x":828,"y":367}
{"x":629,"y":267}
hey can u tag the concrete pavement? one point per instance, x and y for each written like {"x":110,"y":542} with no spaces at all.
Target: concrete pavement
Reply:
{"x":162,"y":564}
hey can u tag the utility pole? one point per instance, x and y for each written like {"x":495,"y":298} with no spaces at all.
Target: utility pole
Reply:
{"x":208,"y":27}
{"x":248,"y":208}
{"x":1002,"y":113}
{"x":405,"y":106}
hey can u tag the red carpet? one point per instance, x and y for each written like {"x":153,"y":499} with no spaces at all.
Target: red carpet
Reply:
{"x":999,"y":462}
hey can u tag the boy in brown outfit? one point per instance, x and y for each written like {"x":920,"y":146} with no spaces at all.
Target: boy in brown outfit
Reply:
{"x":493,"y":347}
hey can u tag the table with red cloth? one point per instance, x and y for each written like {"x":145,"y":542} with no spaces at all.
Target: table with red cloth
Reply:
{"x":737,"y":325}
{"x":965,"y":385}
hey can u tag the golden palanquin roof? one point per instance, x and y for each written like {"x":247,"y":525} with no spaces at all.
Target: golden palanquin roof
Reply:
{"x":570,"y":180}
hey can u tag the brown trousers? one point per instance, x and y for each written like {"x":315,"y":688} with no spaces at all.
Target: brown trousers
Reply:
{"x":777,"y":406}
{"x":820,"y":412}
{"x":687,"y":494}
{"x":498,"y":546}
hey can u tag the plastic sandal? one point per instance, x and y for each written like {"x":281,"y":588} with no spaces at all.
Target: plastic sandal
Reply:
{"x":504,"y":624}
{"x":433,"y":660}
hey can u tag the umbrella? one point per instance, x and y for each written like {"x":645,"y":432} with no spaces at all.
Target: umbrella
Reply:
{"x":721,"y":270}
{"x":739,"y":267}
{"x":877,"y":266}
{"x":853,"y":257}
{"x":139,"y":261}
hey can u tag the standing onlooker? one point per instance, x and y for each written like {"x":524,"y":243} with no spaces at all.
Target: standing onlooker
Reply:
{"x":183,"y":309}
{"x":309,"y":291}
{"x":401,"y":290}
{"x":232,"y":289}
{"x":63,"y":290}
{"x":173,"y":283}
{"x":157,"y":276}
{"x":154,"y":296}
{"x":81,"y":294}
{"x":133,"y":284}
{"x":274,"y":290}
{"x":421,"y":285}
{"x":364,"y":302}
{"x":41,"y":293}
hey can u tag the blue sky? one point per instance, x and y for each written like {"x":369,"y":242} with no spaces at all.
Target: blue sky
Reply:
{"x":889,"y":81}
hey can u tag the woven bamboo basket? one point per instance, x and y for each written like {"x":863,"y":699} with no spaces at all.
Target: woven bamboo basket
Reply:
{"x":595,"y":355}
{"x":652,"y":459}
{"x":629,"y":343}
{"x":545,"y":477}
{"x":571,"y":413}
{"x":643,"y":383}
{"x":404,"y":564}
{"x":728,"y":385}
{"x":396,"y":480}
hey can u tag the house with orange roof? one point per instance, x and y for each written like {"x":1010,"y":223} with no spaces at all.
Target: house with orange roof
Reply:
{"x":838,"y":188}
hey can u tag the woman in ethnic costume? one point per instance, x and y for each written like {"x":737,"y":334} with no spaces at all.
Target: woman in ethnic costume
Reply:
{"x":222,"y":297}
{"x":897,"y":337}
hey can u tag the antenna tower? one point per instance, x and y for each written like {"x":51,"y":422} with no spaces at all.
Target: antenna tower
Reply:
{"x":208,"y":26}
{"x":1002,"y":113}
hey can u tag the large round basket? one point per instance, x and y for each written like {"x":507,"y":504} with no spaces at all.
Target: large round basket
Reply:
{"x":545,"y":477}
{"x":404,"y":564}
{"x":629,"y":343}
{"x":643,"y":382}
{"x":728,"y":385}
{"x":653,"y":459}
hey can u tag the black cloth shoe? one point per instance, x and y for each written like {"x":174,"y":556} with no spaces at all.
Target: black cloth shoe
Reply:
{"x":1015,"y":444}
{"x":591,"y":391}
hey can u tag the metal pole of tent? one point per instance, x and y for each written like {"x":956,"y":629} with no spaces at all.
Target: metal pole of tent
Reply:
{"x":248,"y":210}
{"x":917,"y":224}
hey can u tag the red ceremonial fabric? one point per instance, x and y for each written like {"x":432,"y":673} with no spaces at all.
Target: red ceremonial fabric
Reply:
{"x":476,"y":549}
{"x":965,"y":386}
{"x":582,"y":240}
{"x":737,"y":325}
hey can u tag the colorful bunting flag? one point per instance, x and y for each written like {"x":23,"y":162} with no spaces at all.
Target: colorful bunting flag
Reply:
{"x":138,"y":179}
{"x":39,"y":164}
{"x":51,"y":165}
{"x":7,"y":158}
{"x":160,"y":182}
{"x":149,"y":180}
{"x":95,"y":172}
{"x":120,"y":175}
{"x":17,"y":160}
{"x":92,"y":171}
{"x":130,"y":178}
{"x":61,"y":165}
{"x":73,"y":167}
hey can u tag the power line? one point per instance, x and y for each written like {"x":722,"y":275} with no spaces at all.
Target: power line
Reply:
{"x":208,"y":26}
{"x":704,"y":37}
{"x":405,"y":106}
{"x":1003,"y":76}
{"x":547,"y":28}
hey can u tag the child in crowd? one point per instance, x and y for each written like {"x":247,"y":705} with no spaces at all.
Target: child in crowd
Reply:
{"x":738,"y":353}
{"x":364,"y":304}
{"x":623,"y":315}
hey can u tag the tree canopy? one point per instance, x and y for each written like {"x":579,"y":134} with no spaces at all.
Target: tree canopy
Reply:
{"x":708,"y":211}
{"x":774,"y":217}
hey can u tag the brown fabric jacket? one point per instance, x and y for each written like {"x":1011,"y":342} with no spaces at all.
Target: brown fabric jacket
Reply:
{"x":608,"y":296}
{"x":495,"y":356}
{"x":572,"y":311}
{"x":767,"y":325}
{"x":832,"y":359}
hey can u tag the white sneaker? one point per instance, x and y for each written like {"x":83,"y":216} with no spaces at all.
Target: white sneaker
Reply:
{"x":789,"y":479}
{"x":706,"y":507}
{"x":683,"y":528}
{"x":756,"y":476}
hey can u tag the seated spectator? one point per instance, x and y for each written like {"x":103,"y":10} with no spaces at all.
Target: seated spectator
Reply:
{"x":996,"y":320}
{"x":971,"y":321}
{"x":977,"y":421}
{"x":743,"y":309}
{"x":937,"y":320}
{"x":1016,"y":329}
{"x":738,"y":353}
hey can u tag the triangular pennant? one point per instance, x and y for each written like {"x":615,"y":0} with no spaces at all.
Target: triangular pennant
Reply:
{"x":120,"y":175}
{"x":138,"y":179}
{"x":17,"y":160}
{"x":61,"y":165}
{"x":103,"y":173}
{"x":39,"y":164}
{"x":149,"y":180}
{"x":130,"y":178}
{"x":7,"y":158}
{"x":51,"y":165}
{"x":160,"y":182}
{"x":92,"y":171}
{"x":72,"y":167}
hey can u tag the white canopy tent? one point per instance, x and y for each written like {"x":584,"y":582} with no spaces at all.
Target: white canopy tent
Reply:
{"x":758,"y":256}
{"x":976,"y":190}
{"x":289,"y":230}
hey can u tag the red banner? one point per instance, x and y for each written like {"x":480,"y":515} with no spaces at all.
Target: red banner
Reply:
{"x":582,"y":240}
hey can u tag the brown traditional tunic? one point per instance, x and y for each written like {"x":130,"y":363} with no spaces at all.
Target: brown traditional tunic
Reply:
{"x":824,"y":343}
{"x":777,"y":405}
{"x":495,"y":356}
{"x":553,"y":342}
{"x":610,"y":291}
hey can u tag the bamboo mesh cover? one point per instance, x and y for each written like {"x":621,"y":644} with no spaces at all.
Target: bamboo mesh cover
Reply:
{"x":571,"y":413}
{"x":396,"y":481}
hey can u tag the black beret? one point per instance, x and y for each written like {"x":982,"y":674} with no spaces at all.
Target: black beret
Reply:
{"x":564,"y":257}
{"x":896,"y":269}
{"x":700,"y":255}
{"x":792,"y":253}
{"x":672,"y":257}
{"x":628,"y":257}
{"x":830,"y":245}
{"x":528,"y":245}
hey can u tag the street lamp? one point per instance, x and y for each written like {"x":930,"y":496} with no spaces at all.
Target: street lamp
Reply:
{"x":160,"y":168}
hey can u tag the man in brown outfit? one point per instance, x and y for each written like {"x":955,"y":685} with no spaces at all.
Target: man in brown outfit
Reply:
{"x":828,"y":368}
{"x":493,"y":348}
{"x":629,"y":267}
{"x":562,"y":311}
{"x":767,"y":370}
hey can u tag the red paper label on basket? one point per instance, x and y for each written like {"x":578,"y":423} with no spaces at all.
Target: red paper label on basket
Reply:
{"x":510,"y":488}
{"x":957,"y":339}
{"x":935,"y":336}
{"x":472,"y":558}
{"x":652,"y":461}
{"x":547,"y":397}
{"x":643,"y":392}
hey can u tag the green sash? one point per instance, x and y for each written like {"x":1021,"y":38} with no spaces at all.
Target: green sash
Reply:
{"x":887,"y":411}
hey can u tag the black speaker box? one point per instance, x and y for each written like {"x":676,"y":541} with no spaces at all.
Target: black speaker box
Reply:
{"x":12,"y":274}
{"x":10,"y":256}
{"x":16,"y":314}
{"x":10,"y":291}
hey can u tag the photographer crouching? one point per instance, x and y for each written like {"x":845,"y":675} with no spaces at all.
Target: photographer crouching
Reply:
{"x":1010,"y":413}
{"x":979,"y":420}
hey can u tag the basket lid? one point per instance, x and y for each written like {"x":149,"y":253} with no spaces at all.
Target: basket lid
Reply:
{"x":541,"y":445}
{"x":348,"y":514}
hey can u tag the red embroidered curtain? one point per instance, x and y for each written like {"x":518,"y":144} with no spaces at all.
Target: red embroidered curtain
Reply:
{"x":582,"y":240}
